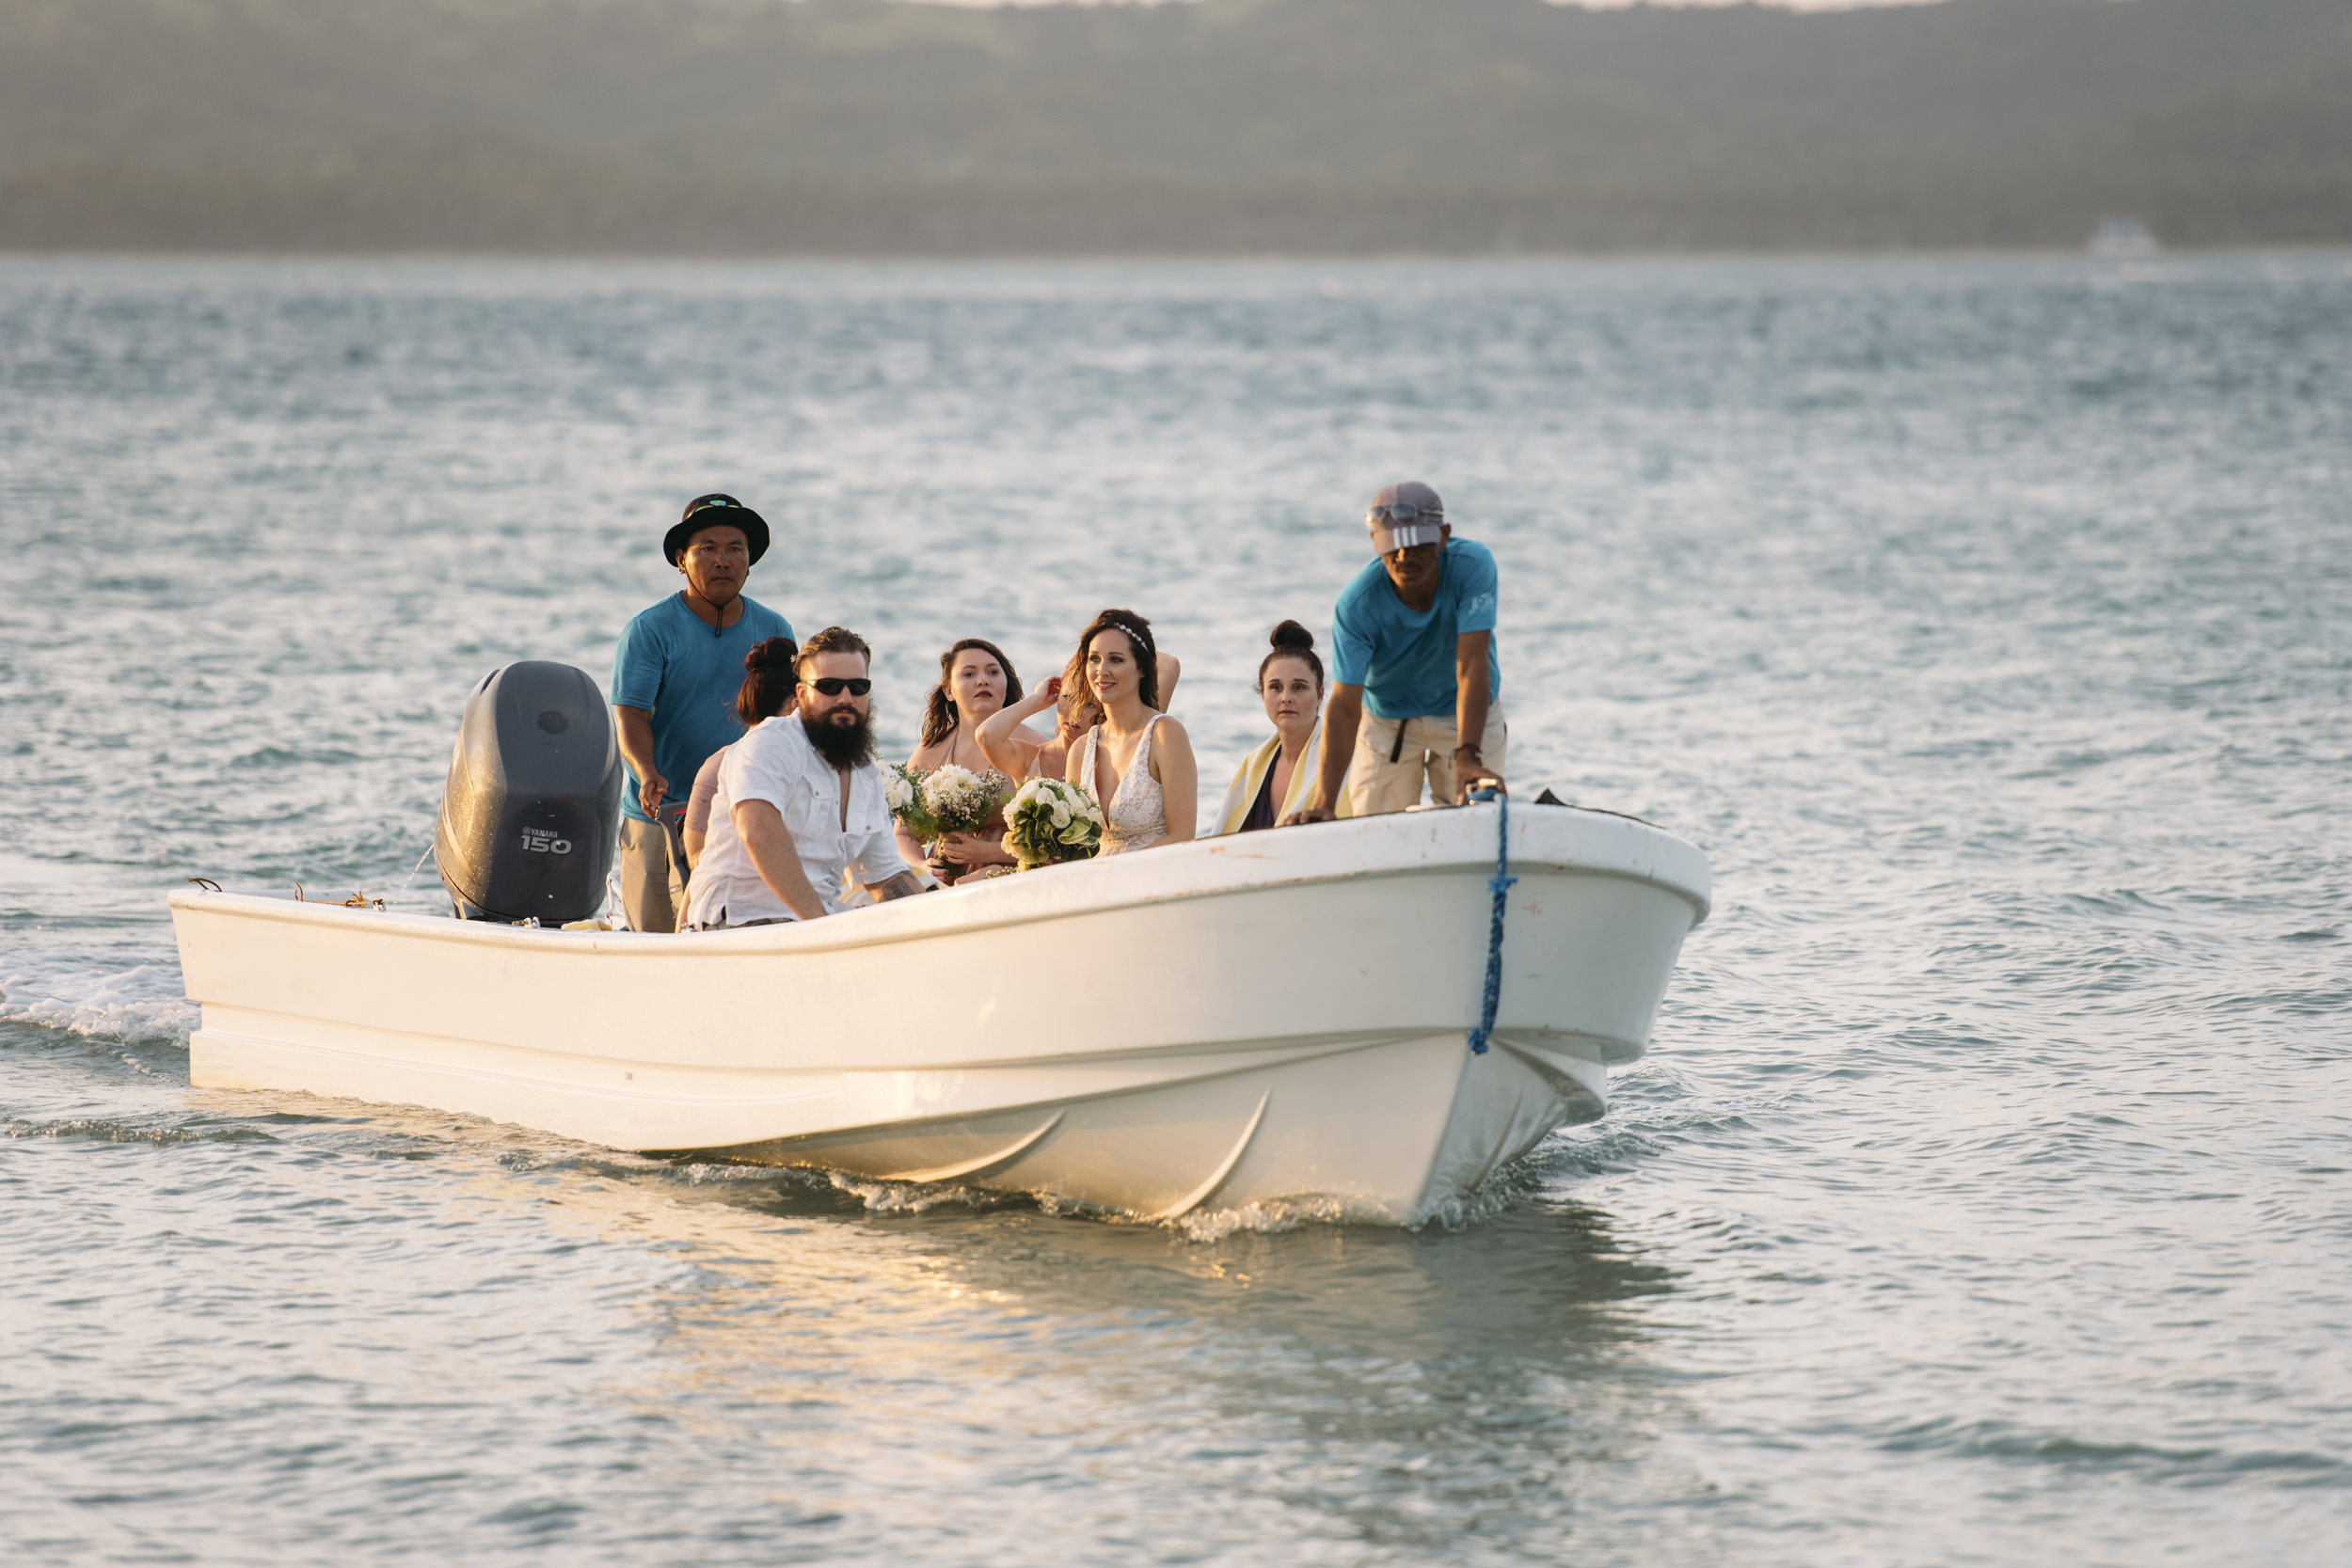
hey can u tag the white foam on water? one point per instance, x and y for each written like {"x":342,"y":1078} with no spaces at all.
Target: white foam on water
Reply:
{"x":910,"y":1197}
{"x":1498,"y":1193}
{"x":704,"y":1173}
{"x":139,"y":1006}
{"x":1266,"y":1219}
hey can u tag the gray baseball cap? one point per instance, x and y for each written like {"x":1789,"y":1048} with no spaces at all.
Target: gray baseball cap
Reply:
{"x":1406,"y":515}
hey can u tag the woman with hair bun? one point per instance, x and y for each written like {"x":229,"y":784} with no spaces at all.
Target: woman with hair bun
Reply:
{"x":1274,"y":779}
{"x":766,"y":691}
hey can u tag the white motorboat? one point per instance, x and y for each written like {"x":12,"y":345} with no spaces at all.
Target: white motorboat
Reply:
{"x":1242,"y":1020}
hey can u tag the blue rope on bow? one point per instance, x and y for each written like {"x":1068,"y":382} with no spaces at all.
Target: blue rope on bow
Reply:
{"x":1500,"y":887}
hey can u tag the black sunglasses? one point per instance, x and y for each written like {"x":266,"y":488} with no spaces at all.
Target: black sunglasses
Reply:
{"x":832,"y":685}
{"x":1404,"y":512}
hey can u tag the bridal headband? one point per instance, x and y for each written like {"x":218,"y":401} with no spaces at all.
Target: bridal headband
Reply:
{"x":1136,"y":633}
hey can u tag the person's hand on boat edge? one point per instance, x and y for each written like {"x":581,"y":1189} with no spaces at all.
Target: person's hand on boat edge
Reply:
{"x":1471,"y":772}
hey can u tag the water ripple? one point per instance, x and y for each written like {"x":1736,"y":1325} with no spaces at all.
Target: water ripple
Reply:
{"x":1982,"y":1198}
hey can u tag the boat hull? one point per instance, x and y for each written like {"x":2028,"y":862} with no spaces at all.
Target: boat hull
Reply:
{"x":1250,"y":1019}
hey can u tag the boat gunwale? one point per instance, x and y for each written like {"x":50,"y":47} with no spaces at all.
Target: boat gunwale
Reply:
{"x":796,"y":935}
{"x":435,"y":927}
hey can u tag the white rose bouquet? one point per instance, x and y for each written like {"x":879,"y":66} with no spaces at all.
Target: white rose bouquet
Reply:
{"x":903,"y":790}
{"x":1049,"y":821}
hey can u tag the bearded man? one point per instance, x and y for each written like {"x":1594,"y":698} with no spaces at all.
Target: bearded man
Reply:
{"x":800,"y":809}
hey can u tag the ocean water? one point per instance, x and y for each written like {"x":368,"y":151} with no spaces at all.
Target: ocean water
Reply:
{"x":1986,"y":1195}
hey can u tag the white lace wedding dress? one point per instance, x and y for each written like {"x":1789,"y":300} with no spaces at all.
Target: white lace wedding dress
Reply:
{"x":1136,"y":815}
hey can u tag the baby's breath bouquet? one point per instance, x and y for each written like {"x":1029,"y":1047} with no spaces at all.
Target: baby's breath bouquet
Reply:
{"x":1049,"y":821}
{"x":942,"y":800}
{"x":959,"y":799}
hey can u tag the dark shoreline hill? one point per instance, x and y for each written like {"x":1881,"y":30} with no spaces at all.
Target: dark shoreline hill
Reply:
{"x":1338,"y":126}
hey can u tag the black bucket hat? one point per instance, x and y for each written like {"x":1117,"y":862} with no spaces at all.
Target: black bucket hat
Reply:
{"x":716,"y":511}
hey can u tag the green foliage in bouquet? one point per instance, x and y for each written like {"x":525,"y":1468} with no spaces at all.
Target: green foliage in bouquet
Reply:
{"x":902,"y":789}
{"x":941,"y":801}
{"x":1050,"y":821}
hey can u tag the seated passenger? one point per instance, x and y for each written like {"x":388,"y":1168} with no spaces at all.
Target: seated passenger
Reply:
{"x":1074,"y":714}
{"x":975,"y":680}
{"x":1137,"y":762}
{"x":1273,"y":780}
{"x":800,"y":804}
{"x":766,"y":692}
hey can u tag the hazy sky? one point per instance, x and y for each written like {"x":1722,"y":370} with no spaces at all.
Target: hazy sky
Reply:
{"x":1593,"y":5}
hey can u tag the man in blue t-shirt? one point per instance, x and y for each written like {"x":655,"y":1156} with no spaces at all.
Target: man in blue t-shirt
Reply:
{"x":675,"y":678}
{"x":1416,"y":687}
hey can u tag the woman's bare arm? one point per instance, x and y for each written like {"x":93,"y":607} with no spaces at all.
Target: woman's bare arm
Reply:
{"x":1002,"y":742}
{"x":1172,"y":764}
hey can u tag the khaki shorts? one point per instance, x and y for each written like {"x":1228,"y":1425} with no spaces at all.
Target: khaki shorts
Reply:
{"x":653,"y":873}
{"x":1394,"y":759}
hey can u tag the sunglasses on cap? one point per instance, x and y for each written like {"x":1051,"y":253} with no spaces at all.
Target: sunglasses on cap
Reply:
{"x":832,"y":685}
{"x":1404,"y":512}
{"x":702,"y":506}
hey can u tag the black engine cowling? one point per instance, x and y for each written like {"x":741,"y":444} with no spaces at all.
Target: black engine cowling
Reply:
{"x":534,"y":798}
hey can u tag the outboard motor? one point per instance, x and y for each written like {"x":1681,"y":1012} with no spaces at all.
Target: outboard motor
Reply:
{"x":533,"y":801}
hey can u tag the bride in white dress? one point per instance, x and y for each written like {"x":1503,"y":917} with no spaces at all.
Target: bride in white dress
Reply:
{"x":1137,"y":762}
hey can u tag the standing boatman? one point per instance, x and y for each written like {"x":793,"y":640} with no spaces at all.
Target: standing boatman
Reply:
{"x":1413,"y":641}
{"x":674,"y":677}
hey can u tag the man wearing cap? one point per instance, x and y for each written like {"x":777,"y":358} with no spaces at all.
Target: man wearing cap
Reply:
{"x":1416,"y":692}
{"x":674,"y":677}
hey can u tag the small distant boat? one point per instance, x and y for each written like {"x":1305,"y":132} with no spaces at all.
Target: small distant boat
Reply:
{"x":2122,"y":237}
{"x":1238,"y":1021}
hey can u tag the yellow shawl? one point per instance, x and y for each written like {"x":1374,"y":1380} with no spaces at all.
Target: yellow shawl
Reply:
{"x":1250,"y":777}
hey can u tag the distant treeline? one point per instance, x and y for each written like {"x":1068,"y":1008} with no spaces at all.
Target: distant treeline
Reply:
{"x":874,"y":126}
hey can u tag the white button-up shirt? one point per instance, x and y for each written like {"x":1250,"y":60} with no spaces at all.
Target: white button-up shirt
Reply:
{"x":777,"y":764}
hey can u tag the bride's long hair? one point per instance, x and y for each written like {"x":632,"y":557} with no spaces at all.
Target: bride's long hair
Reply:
{"x":1139,"y":633}
{"x":940,"y":714}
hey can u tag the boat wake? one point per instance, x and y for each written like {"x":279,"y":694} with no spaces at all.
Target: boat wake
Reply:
{"x":1265,"y":1217}
{"x":142,"y":1005}
{"x":1269,"y":1217}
